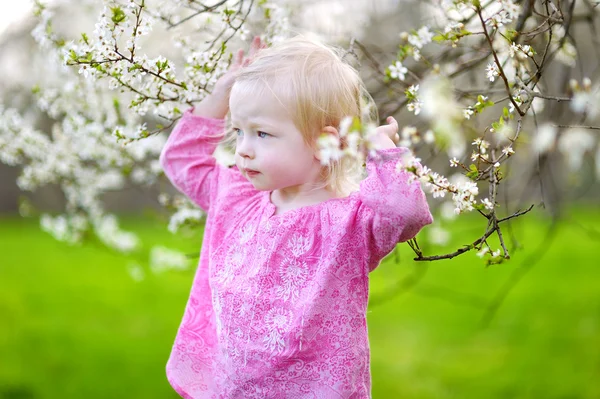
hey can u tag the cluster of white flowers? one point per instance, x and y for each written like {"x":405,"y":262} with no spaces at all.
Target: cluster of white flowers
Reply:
{"x":566,"y":53}
{"x":586,"y":98}
{"x":418,"y":39}
{"x":409,"y":135}
{"x":544,"y":139}
{"x":353,"y":141}
{"x":503,"y":12}
{"x":414,"y":105}
{"x":67,"y":228}
{"x":573,"y":144}
{"x":182,"y":216}
{"x":464,"y":191}
{"x":481,"y":147}
{"x":107,"y":229}
{"x":329,"y":148}
{"x":163,"y":259}
{"x":521,"y":51}
{"x":486,"y":250}
{"x":84,"y":154}
{"x":444,"y":113}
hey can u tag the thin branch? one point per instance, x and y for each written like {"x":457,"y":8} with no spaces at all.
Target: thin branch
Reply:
{"x":579,"y":127}
{"x":476,"y":243}
{"x":498,"y":64}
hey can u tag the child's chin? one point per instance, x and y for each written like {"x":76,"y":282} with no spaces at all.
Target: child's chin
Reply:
{"x":260,"y":187}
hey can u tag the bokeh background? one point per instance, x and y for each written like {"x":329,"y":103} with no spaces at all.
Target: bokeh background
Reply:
{"x":75,"y":322}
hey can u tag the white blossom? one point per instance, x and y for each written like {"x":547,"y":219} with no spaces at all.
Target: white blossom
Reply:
{"x":487,"y":203}
{"x":544,"y":140}
{"x":162,"y":259}
{"x":414,"y":106}
{"x":438,"y":235}
{"x":492,"y":71}
{"x":397,"y":71}
{"x":182,"y":216}
{"x":422,"y":37}
{"x":482,"y":252}
{"x":429,"y":137}
{"x":573,"y":144}
{"x":329,"y":148}
{"x":508,"y":151}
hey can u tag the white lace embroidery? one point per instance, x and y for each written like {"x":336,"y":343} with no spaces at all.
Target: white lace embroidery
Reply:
{"x":293,"y":274}
{"x":277,"y":320}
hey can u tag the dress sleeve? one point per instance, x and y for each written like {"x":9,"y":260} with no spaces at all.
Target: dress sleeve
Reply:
{"x":394,"y":209}
{"x":187,"y":157}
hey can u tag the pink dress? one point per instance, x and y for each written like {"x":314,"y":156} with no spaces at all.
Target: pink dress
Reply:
{"x":278,"y":304}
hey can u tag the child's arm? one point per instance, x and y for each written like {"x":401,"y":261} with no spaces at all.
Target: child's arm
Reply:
{"x":187,"y":156}
{"x":395,"y":210}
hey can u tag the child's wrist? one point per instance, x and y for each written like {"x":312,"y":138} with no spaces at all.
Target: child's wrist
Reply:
{"x":213,"y":106}
{"x":383,"y":142}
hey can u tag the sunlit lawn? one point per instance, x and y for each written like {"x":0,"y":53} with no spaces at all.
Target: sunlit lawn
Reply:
{"x":74,"y":324}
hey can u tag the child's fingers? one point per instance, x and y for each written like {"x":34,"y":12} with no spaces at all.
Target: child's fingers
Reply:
{"x":392,"y":122}
{"x":392,"y":129}
{"x":255,"y":46}
{"x":239,"y":58}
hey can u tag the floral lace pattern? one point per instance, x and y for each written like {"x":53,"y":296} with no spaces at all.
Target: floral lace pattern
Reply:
{"x":278,"y":304}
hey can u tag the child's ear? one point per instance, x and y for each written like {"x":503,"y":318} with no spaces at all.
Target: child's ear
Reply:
{"x":326,"y":130}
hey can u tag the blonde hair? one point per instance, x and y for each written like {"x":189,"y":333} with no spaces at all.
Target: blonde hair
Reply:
{"x":318,"y":89}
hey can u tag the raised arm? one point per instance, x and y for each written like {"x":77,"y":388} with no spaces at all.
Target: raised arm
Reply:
{"x":394,"y":209}
{"x":187,"y":156}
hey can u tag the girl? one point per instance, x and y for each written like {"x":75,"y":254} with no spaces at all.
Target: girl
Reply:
{"x":278,"y":304}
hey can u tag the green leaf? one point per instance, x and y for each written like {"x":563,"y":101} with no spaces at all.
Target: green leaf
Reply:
{"x":118,"y":15}
{"x":473,"y":172}
{"x":511,"y":34}
{"x":440,"y":38}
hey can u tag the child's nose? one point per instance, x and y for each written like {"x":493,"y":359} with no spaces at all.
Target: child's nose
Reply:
{"x":244,"y":149}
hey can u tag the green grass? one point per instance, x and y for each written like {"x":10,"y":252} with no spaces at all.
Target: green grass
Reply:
{"x":74,"y":324}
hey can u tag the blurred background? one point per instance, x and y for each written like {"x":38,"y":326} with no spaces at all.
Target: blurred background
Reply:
{"x":86,"y":321}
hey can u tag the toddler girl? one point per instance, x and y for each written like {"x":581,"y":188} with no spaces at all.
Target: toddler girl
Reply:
{"x":278,"y":304}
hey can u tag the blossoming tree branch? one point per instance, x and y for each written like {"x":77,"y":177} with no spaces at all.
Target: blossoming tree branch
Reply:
{"x":471,"y":90}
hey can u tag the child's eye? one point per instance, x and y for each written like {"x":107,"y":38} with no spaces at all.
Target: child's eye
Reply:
{"x":262,"y":135}
{"x":237,"y":131}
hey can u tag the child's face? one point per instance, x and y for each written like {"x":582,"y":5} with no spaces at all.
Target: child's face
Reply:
{"x":270,"y":150}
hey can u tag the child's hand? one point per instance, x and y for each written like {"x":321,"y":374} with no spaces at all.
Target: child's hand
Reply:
{"x":216,"y":104}
{"x":386,"y":136}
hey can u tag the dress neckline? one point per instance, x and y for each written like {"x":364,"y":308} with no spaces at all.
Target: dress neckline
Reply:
{"x":273,"y":208}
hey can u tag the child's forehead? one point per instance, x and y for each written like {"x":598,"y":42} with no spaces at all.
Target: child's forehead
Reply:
{"x":257,"y":97}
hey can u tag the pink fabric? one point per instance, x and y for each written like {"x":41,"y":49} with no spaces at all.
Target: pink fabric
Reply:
{"x":278,"y":304}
